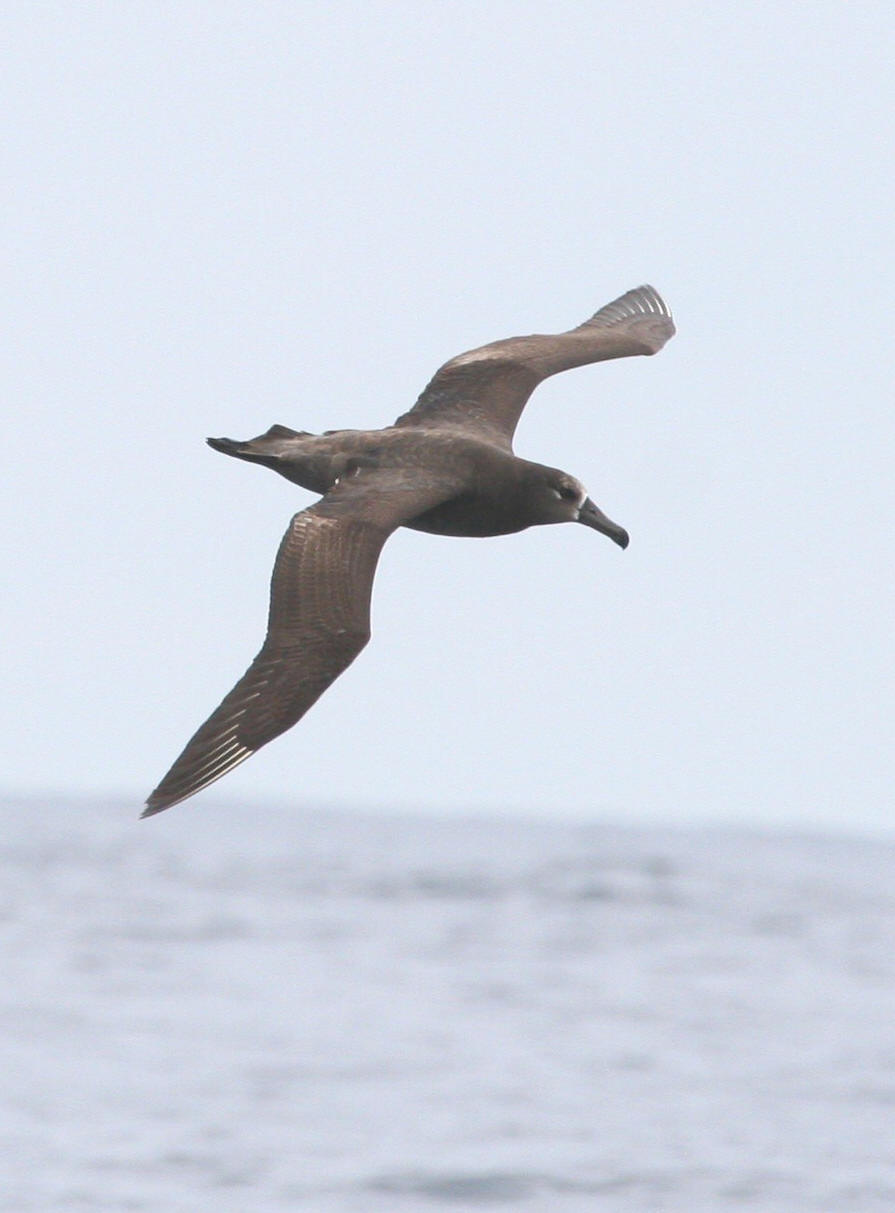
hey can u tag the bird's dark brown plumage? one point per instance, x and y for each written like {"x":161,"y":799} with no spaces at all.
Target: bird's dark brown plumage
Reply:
{"x":446,"y":466}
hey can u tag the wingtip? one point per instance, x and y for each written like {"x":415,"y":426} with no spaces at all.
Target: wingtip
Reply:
{"x":643,"y":300}
{"x":642,"y":303}
{"x":179,"y":785}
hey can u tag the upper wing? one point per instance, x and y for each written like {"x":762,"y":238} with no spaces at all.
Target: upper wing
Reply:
{"x":484,"y":391}
{"x":318,"y":623}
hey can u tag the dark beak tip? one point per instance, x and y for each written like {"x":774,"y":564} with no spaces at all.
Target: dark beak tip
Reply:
{"x":592,"y":516}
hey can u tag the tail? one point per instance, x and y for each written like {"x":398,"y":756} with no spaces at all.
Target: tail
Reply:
{"x":266,"y":449}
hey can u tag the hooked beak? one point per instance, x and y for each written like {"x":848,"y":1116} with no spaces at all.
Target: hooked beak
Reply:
{"x":591,"y":516}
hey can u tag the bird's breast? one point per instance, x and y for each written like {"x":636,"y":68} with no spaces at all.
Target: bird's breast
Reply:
{"x":469,"y":517}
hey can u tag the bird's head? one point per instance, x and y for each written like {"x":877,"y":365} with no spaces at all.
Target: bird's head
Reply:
{"x":556,"y":496}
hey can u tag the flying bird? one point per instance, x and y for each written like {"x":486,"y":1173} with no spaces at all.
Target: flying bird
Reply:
{"x":446,"y":467}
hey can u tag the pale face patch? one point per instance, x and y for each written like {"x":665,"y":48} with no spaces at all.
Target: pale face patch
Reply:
{"x":570,"y":490}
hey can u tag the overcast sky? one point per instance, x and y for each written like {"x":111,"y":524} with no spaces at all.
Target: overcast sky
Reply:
{"x":218,"y":216}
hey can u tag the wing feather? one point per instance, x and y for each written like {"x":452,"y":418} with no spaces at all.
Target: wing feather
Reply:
{"x":485,"y":390}
{"x":319,"y":620}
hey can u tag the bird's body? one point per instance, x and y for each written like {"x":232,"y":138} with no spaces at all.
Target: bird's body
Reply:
{"x":492,"y":483}
{"x":446,"y":467}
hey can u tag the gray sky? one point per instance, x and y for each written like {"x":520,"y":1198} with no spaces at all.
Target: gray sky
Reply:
{"x":218,"y":216}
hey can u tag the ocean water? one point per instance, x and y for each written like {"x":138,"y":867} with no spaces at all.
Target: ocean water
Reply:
{"x":278,"y":1010}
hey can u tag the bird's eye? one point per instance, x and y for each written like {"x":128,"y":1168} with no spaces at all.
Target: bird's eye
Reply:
{"x":567,"y":493}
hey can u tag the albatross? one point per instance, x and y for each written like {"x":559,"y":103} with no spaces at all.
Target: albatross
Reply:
{"x":446,"y":467}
